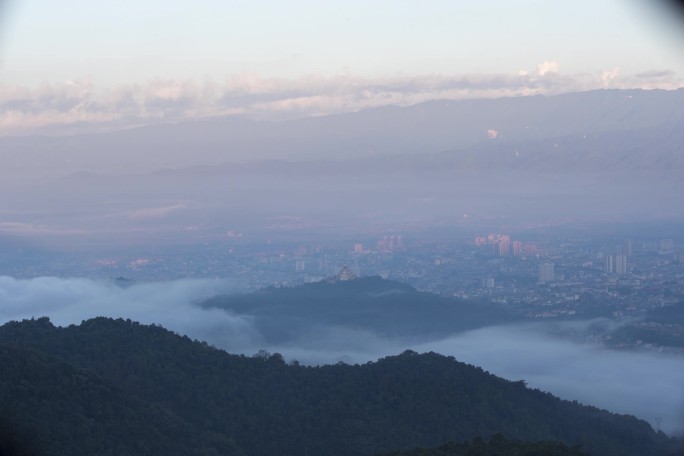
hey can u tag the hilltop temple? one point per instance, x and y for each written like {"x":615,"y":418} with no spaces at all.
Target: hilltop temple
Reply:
{"x":346,"y":274}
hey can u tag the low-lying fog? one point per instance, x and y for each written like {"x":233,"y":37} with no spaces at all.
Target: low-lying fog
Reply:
{"x":647,"y":385}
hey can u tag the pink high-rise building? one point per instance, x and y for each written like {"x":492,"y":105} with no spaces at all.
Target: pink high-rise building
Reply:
{"x":517,"y":248}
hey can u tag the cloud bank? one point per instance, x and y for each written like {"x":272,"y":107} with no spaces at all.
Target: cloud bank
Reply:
{"x":70,"y":301}
{"x":643,"y":384}
{"x":81,"y":106}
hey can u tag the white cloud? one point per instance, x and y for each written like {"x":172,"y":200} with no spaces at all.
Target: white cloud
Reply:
{"x":69,"y":301}
{"x":86,"y":107}
{"x":157,"y":212}
{"x":548,"y":66}
{"x":643,"y":384}
{"x":22,"y":228}
{"x":608,"y":76}
{"x":646,"y":385}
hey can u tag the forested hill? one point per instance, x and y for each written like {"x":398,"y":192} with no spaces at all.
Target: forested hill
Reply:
{"x":382,"y":306}
{"x":118,"y":387}
{"x":498,"y":445}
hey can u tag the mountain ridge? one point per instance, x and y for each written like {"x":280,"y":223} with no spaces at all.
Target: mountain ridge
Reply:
{"x":428,"y":127}
{"x":384,"y":307}
{"x":232,"y":404}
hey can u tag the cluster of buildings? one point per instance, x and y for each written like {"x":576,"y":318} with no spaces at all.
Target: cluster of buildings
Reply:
{"x":549,"y":277}
{"x":387,"y":244}
{"x":552,"y":277}
{"x":502,"y":245}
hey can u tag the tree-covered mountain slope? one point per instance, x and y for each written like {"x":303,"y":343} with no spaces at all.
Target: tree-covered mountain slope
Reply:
{"x":52,"y":407}
{"x":498,"y":445}
{"x":383,"y":306}
{"x":119,"y":387}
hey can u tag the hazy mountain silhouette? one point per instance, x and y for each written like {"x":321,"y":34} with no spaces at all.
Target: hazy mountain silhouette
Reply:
{"x":424,"y":128}
{"x":600,"y":154}
{"x":383,"y":307}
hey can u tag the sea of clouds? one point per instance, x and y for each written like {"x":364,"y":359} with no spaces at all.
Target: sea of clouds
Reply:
{"x":647,"y":385}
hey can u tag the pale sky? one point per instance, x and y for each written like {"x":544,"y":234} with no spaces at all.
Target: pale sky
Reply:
{"x":218,"y":47}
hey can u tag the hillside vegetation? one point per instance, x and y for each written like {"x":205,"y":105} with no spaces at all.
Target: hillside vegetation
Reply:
{"x":118,"y":387}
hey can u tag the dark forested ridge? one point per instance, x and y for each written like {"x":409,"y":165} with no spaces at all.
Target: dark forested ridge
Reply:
{"x":118,"y":387}
{"x":498,"y":445}
{"x":52,"y":407}
{"x":382,"y":306}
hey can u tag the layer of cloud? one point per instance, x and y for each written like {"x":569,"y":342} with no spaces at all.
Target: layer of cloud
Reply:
{"x":69,"y":301}
{"x":84,"y":107}
{"x":21,"y":228}
{"x":647,"y":385}
{"x":157,"y":212}
{"x":548,"y":66}
{"x":608,"y":76}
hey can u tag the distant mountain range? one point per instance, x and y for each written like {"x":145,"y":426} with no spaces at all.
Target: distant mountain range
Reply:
{"x":606,"y":154}
{"x":425,"y":128}
{"x":110,"y":387}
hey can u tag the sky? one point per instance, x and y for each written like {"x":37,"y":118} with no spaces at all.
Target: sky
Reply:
{"x":82,"y":61}
{"x":130,"y":41}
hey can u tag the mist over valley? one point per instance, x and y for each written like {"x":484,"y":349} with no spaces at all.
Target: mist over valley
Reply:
{"x":644,"y":384}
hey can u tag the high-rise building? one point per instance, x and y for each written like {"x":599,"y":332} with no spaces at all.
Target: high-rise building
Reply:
{"x":546,"y":272}
{"x":609,"y":267}
{"x":504,"y":245}
{"x":621,"y":264}
{"x":517,"y":248}
{"x":389,"y":244}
